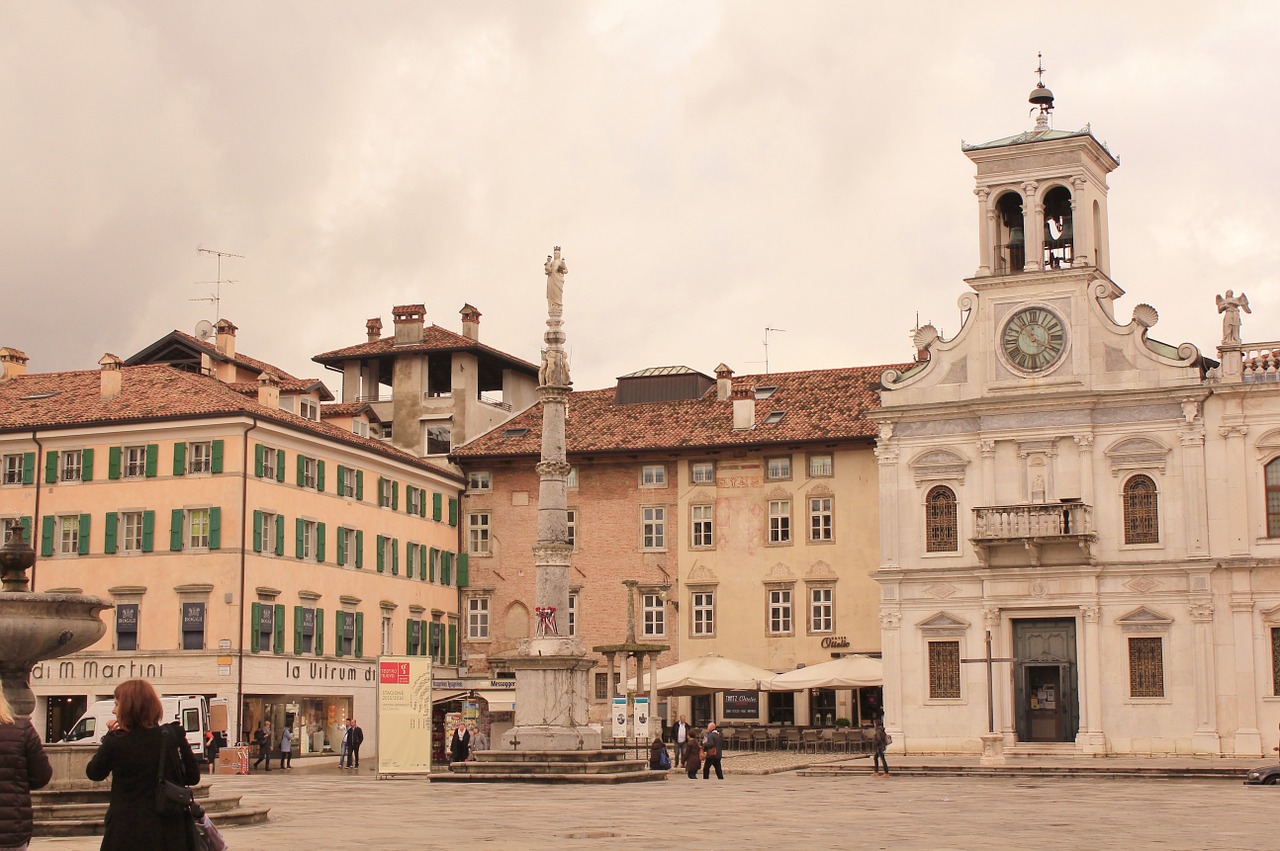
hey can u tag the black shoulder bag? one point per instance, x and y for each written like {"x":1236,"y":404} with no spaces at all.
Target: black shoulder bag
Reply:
{"x":171,"y":798}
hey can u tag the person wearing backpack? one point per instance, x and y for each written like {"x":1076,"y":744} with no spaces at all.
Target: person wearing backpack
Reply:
{"x":879,"y":742}
{"x":658,"y":758}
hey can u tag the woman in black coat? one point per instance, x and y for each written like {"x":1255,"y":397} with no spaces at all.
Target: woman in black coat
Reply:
{"x":460,"y":744}
{"x":23,"y":767}
{"x":130,"y":753}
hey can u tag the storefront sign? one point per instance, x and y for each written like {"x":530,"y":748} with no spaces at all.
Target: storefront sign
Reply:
{"x":193,"y":617}
{"x":467,"y":685}
{"x":93,"y":670}
{"x":741,"y":704}
{"x":619,"y":717}
{"x":325,"y":671}
{"x":835,"y":641}
{"x":404,"y":715}
{"x":127,"y":617}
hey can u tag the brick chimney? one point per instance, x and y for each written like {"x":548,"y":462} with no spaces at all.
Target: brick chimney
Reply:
{"x":408,"y":319}
{"x":269,"y":390}
{"x":470,"y":322}
{"x":724,"y":383}
{"x":373,"y":327}
{"x":744,"y":407}
{"x":110,"y":375}
{"x":12,"y":363}
{"x":226,"y":337}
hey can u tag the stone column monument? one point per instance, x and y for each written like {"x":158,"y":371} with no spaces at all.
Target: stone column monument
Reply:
{"x":551,"y":668}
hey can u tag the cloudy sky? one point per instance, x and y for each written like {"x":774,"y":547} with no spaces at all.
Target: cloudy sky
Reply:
{"x":712,"y":169}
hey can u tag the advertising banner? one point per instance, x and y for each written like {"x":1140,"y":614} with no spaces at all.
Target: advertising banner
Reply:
{"x":640,"y":707}
{"x":404,"y":715}
{"x":742,"y":704}
{"x":619,"y":717}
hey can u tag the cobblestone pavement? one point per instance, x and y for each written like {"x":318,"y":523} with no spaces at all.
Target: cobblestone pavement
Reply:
{"x":327,"y":808}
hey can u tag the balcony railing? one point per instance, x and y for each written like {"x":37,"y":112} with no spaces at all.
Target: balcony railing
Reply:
{"x":1033,"y":526}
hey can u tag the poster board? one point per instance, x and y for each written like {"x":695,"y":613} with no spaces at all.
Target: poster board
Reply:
{"x":619,"y":717}
{"x":640,"y":708}
{"x":404,"y":715}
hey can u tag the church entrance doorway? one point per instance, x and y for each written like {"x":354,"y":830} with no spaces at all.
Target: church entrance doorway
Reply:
{"x":1047,"y":707}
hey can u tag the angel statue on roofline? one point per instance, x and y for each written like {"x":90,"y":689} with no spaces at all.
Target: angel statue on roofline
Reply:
{"x":1230,"y":306}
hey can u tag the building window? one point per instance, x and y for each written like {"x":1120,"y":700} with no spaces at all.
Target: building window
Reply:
{"x":654,"y":615}
{"x":702,"y":472}
{"x":198,"y":529}
{"x":193,"y":626}
{"x":573,"y":614}
{"x":779,"y":521}
{"x":126,"y":626}
{"x":1146,"y":667}
{"x":135,"y":462}
{"x":131,"y":533}
{"x":821,"y":466}
{"x":199,"y":457}
{"x":479,"y":481}
{"x":12,"y":529}
{"x":820,"y":519}
{"x":389,"y":561}
{"x":386,"y":635}
{"x":779,"y":611}
{"x":347,"y":632}
{"x":271,"y":533}
{"x":266,"y":627}
{"x":348,"y":547}
{"x":653,"y":476}
{"x":478,"y":533}
{"x":386,"y":490}
{"x":1273,"y":498}
{"x":309,"y":467}
{"x":307,"y":539}
{"x":940,"y":521}
{"x":413,"y":499}
{"x":72,"y":465}
{"x":777,"y":469}
{"x":439,"y":439}
{"x":360,"y":427}
{"x":571,"y":480}
{"x":69,"y":534}
{"x":702,"y":527}
{"x":307,"y":632}
{"x":602,"y":684}
{"x":478,"y":618}
{"x":571,"y":527}
{"x":653,"y":527}
{"x":347,"y":482}
{"x":1141,"y":514}
{"x":270,"y":463}
{"x":944,"y":670}
{"x":821,"y":610}
{"x":704,"y":613}
{"x":309,"y":409}
{"x":13,"y":469}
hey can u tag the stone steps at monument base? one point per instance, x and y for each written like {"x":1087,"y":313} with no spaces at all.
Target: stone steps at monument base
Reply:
{"x":546,"y":767}
{"x":608,"y":755}
{"x":94,"y":826}
{"x":1228,"y":773}
{"x":70,"y":811}
{"x":645,"y":776}
{"x":89,"y":792}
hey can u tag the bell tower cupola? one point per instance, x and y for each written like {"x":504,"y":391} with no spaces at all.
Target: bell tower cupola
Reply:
{"x":1042,"y":197}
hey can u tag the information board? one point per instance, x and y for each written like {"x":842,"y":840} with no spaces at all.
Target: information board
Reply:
{"x":404,"y":715}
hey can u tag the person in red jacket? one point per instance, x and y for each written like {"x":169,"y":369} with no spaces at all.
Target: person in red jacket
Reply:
{"x":23,"y":767}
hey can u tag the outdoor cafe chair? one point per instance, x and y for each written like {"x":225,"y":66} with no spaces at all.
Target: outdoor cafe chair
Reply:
{"x":791,"y":739}
{"x":826,"y":740}
{"x":840,"y":740}
{"x":809,"y":741}
{"x":759,"y":739}
{"x":774,"y":738}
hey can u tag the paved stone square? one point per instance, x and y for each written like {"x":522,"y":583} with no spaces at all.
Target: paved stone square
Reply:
{"x":327,"y":808}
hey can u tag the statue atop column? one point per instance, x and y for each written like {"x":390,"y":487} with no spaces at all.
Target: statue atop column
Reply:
{"x":1230,"y":306}
{"x":556,"y":269}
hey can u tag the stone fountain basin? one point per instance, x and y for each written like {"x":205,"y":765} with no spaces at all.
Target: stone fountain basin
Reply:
{"x":35,"y":627}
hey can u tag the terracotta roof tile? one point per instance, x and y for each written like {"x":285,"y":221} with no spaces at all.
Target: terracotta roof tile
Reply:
{"x":434,"y":339}
{"x":243,"y":360}
{"x":289,"y":385}
{"x":827,"y":404}
{"x":349,"y":409}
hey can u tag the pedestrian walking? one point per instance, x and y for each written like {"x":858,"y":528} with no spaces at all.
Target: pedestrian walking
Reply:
{"x":23,"y":767}
{"x":286,"y":747}
{"x":692,"y":754}
{"x":342,"y":745}
{"x":460,"y":744}
{"x":680,"y":735}
{"x":879,"y":741}
{"x":355,"y":738}
{"x":712,"y":750}
{"x":262,"y":738}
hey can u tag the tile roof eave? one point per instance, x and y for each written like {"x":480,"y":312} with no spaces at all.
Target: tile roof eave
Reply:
{"x":463,"y":455}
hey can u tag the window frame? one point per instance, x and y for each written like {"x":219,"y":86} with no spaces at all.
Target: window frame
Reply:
{"x":943,"y":686}
{"x":1141,"y":523}
{"x":479,"y":540}
{"x":702,"y":613}
{"x":779,"y":536}
{"x":1154,"y":681}
{"x":310,"y":549}
{"x":770,"y":476}
{"x":434,"y":435}
{"x":310,"y":472}
{"x":817,"y":607}
{"x":479,"y":618}
{"x":13,"y":465}
{"x":935,"y":523}
{"x":480,"y":481}
{"x":270,"y":533}
{"x":199,"y":457}
{"x":133,"y":461}
{"x":191,"y":528}
{"x":779,"y":611}
{"x":270,"y":463}
{"x":71,"y":465}
{"x":68,"y":532}
{"x":653,"y":528}
{"x":653,"y":615}
{"x":1271,"y":489}
{"x":813,"y":457}
{"x":131,"y":532}
{"x":653,"y":476}
{"x":571,"y":528}
{"x":707,"y":467}
{"x":702,"y":529}
{"x":827,"y":529}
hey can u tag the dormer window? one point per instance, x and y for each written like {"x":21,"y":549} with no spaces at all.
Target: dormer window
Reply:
{"x":774,"y":417}
{"x":309,"y":409}
{"x":765,"y":392}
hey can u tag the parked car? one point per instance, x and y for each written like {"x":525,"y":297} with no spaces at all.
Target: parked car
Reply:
{"x":191,"y":710}
{"x":1268,"y":775}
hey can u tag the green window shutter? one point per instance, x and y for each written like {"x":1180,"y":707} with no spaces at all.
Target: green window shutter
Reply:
{"x":25,"y":523}
{"x":297,"y":630}
{"x":446,"y":568}
{"x":86,"y":465}
{"x":464,"y":570}
{"x":426,"y":641}
{"x":433,"y":644}
{"x":257,"y":531}
{"x":215,"y":528}
{"x":51,"y":468}
{"x":215,"y":462}
{"x":410,"y":550}
{"x":381,"y":557}
{"x":113,"y":462}
{"x":258,"y":451}
{"x":302,"y":470}
{"x":381,"y":480}
{"x":175,"y":530}
{"x":109,"y":533}
{"x":395,"y":496}
{"x":28,"y":468}
{"x":452,"y":648}
{"x":395,"y":556}
{"x":179,"y":458}
{"x":319,"y":649}
{"x":148,"y":531}
{"x":46,"y":536}
{"x":338,"y":621}
{"x":422,"y":561}
{"x":280,"y":465}
{"x":436,"y":503}
{"x":453,"y":511}
{"x":360,"y":484}
{"x":342,"y":546}
{"x":297,"y":537}
{"x":359,"y":548}
{"x":279,"y":534}
{"x":320,"y":476}
{"x":408,"y":634}
{"x":422,"y":503}
{"x":320,"y":536}
{"x":359,"y":638}
{"x":277,"y":623}
{"x":84,"y":534}
{"x":342,"y":480}
{"x":153,"y":459}
{"x":431,"y":564}
{"x":255,"y":637}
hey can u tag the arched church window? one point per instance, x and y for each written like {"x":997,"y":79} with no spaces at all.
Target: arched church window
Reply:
{"x":1141,"y":511}
{"x":1011,"y":246}
{"x":1059,"y":241}
{"x":1273,"y":498}
{"x":941,"y":528}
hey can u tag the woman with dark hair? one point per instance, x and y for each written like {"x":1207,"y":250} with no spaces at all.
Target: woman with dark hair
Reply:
{"x":131,"y":754}
{"x":23,"y":767}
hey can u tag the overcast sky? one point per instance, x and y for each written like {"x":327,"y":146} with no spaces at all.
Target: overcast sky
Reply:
{"x":710,"y":169}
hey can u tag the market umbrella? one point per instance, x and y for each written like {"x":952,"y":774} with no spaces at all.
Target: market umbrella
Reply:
{"x":707,"y":674}
{"x":854,"y":671}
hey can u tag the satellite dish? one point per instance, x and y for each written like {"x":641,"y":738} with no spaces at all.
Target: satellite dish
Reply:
{"x":204,"y":330}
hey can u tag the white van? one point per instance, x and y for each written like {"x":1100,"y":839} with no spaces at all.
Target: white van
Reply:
{"x":191,"y":710}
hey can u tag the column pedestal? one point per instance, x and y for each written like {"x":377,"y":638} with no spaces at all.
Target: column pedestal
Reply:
{"x":552,"y":697}
{"x":992,"y":749}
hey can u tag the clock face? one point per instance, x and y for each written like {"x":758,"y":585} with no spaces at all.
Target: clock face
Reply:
{"x":1034,"y":339}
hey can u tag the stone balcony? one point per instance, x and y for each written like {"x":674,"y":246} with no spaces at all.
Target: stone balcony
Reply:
{"x":1061,"y":528}
{"x":1248,"y":363}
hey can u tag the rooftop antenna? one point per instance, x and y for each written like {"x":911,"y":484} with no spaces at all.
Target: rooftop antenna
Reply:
{"x":216,"y":296}
{"x":766,"y":346}
{"x":1041,"y":97}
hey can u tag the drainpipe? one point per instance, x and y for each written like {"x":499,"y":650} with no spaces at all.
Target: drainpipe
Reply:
{"x":35,"y":511}
{"x":244,"y":515}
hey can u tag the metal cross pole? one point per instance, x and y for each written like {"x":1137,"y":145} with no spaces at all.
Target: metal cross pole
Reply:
{"x":989,"y":660}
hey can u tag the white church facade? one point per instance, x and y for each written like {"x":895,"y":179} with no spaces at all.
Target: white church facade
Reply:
{"x":1104,"y":505}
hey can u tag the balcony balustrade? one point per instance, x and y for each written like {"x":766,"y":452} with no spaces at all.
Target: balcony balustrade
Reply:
{"x":1032,"y":526}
